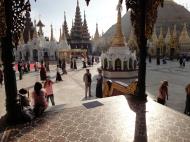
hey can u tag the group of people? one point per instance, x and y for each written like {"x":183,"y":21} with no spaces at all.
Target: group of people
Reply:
{"x":163,"y":95}
{"x":87,"y":78}
{"x":40,"y":97}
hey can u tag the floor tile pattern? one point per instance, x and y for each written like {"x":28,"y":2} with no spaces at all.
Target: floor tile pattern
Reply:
{"x":119,"y":119}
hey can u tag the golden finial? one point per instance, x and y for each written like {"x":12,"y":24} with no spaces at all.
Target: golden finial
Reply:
{"x":118,"y":39}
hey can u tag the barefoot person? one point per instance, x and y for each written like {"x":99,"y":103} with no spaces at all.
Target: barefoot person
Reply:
{"x":163,"y":93}
{"x":99,"y":84}
{"x":87,"y":81}
{"x":38,"y":99}
{"x":48,"y":86}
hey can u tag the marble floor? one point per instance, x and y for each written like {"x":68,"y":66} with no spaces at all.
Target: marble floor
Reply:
{"x":114,"y":119}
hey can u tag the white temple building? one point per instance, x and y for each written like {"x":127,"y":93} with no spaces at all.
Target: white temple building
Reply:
{"x":40,"y":47}
{"x":119,"y":61}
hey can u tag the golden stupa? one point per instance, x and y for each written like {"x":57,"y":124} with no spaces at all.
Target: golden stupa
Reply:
{"x":118,"y":39}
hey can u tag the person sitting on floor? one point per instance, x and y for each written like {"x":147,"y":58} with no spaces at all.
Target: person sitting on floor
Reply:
{"x":38,"y":99}
{"x":24,"y":100}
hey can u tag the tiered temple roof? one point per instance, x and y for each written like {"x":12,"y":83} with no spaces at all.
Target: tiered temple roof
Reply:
{"x":96,"y":35}
{"x":76,"y":31}
{"x":66,"y":27}
{"x":85,"y":33}
{"x":79,"y":37}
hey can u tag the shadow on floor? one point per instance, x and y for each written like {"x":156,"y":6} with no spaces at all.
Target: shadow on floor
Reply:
{"x":139,"y":107}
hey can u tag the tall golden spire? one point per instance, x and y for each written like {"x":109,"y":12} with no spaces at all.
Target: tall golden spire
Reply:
{"x":161,"y":39}
{"x":154,"y":36}
{"x":168,"y":36}
{"x":118,"y":39}
{"x":174,"y":41}
{"x":184,"y":37}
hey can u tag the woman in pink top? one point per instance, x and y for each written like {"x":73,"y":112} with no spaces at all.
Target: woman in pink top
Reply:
{"x":48,"y":86}
{"x":38,"y":99}
{"x":163,"y":93}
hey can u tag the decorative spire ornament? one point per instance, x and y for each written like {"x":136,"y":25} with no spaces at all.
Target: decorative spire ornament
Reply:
{"x":118,"y":39}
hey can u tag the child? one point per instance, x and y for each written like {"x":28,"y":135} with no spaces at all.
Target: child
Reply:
{"x":48,"y":86}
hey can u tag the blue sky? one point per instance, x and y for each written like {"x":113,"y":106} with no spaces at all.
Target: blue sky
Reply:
{"x":101,"y":11}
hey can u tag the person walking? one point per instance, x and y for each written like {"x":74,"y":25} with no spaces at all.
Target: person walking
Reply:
{"x":183,"y":62}
{"x":48,"y":86}
{"x":42,"y":73}
{"x":20,"y":70}
{"x":163,"y":92}
{"x":75,"y":64}
{"x":1,"y":78}
{"x":38,"y":99}
{"x":99,"y":84}
{"x":187,"y":105}
{"x":87,"y":81}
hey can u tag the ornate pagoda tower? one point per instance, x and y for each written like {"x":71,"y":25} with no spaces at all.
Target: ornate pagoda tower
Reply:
{"x":85,"y":34}
{"x":96,"y":35}
{"x":119,"y":61}
{"x":65,"y":26}
{"x":79,"y":32}
{"x":29,"y":29}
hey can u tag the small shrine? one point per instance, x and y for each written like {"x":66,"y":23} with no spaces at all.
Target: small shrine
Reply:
{"x":119,"y":61}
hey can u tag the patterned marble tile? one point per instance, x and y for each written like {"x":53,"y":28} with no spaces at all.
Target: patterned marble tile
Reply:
{"x":119,"y":119}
